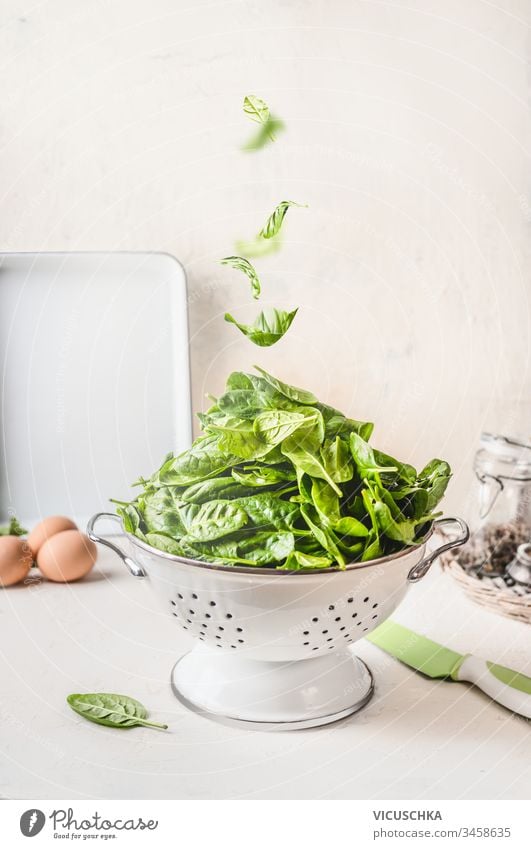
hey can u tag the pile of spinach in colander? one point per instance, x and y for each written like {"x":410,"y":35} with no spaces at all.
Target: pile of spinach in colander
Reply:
{"x":281,"y":480}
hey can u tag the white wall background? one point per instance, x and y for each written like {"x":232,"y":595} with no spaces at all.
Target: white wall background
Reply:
{"x":408,"y":133}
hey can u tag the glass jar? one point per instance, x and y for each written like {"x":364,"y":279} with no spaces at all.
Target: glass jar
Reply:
{"x":503,"y":520}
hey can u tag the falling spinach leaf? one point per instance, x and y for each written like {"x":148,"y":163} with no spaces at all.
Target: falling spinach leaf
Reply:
{"x":256,"y":108}
{"x":258,"y":247}
{"x":266,"y":134}
{"x":268,"y":327}
{"x":14,"y":529}
{"x":244,"y":265}
{"x":111,"y":709}
{"x":258,"y":111}
{"x":273,"y":224}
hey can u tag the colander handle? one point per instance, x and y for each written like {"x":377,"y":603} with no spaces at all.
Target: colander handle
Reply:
{"x":133,"y":567}
{"x":418,"y":571}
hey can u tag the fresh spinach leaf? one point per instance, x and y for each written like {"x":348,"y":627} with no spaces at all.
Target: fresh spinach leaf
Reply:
{"x":300,"y":396}
{"x":306,"y":460}
{"x":348,"y":526}
{"x":256,"y":109}
{"x":259,"y":476}
{"x":237,"y":437}
{"x":13,"y":529}
{"x":110,"y":709}
{"x":273,"y":224}
{"x":337,"y":460}
{"x":203,"y":460}
{"x":298,"y":560}
{"x":268,"y":327}
{"x":258,"y":247}
{"x":242,"y":264}
{"x":363,"y":455}
{"x":216,"y":519}
{"x":324,"y":536}
{"x":215,"y":488}
{"x":273,"y":426}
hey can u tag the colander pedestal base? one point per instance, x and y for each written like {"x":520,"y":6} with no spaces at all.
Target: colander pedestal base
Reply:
{"x":274,"y":695}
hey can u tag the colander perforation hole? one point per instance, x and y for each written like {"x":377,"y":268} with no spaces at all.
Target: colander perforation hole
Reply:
{"x":329,"y":639}
{"x":306,"y":644}
{"x":180,"y":596}
{"x":375,"y":605}
{"x":315,"y":619}
{"x":305,"y":633}
{"x":239,"y":630}
{"x":176,"y":614}
{"x":315,"y":648}
{"x":221,"y":628}
{"x":212,"y":603}
{"x":194,"y":595}
{"x":375,"y":616}
{"x":189,"y":621}
{"x":234,"y":647}
{"x":350,"y":600}
{"x":229,"y":616}
{"x":331,"y":607}
{"x":354,"y":615}
{"x":365,"y":629}
{"x":337,"y":619}
{"x":191,"y":612}
{"x":366,"y":599}
{"x":343,"y":627}
{"x":172,"y":602}
{"x":325,"y":631}
{"x":208,"y":616}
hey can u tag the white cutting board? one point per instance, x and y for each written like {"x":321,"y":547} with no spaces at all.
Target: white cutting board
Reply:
{"x":94,"y":377}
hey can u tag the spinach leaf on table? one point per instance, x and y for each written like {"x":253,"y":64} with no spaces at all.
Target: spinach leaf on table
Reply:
{"x":110,"y":709}
{"x":13,"y":529}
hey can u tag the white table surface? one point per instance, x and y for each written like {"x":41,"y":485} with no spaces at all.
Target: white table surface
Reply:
{"x":416,"y":739}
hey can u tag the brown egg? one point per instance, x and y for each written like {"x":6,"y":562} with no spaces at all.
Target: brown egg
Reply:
{"x":47,"y":529}
{"x":15,"y":560}
{"x":67,"y":556}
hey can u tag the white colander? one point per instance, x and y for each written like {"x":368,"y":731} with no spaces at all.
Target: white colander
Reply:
{"x":274,"y":647}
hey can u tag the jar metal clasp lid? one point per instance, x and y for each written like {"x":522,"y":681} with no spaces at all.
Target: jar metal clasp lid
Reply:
{"x":492,"y":486}
{"x":510,"y":457}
